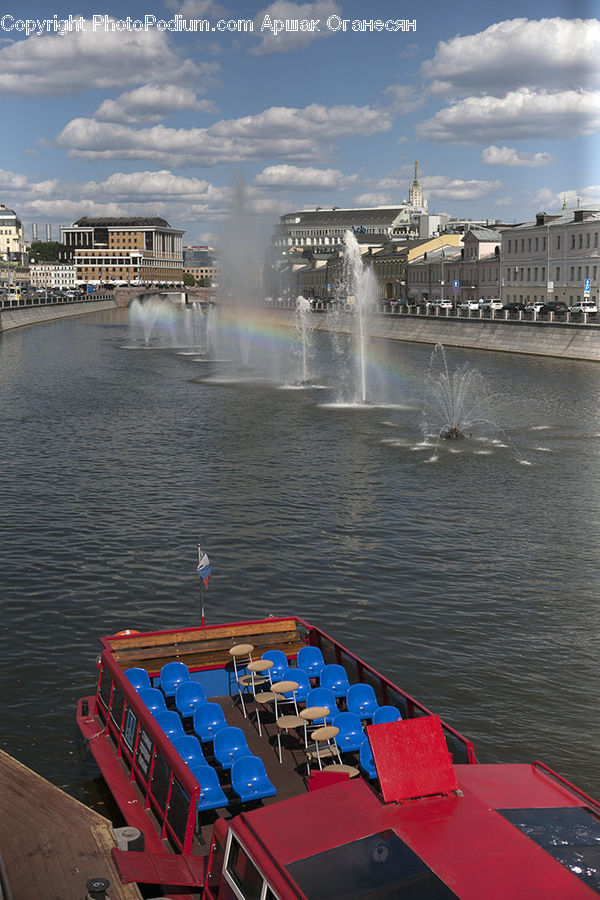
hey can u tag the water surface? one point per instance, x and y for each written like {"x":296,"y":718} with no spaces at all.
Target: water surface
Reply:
{"x":466,"y":573}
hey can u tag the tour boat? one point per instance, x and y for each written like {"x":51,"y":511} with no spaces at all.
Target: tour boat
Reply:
{"x":263,"y":760}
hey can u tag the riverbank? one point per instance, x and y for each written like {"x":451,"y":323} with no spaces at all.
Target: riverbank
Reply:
{"x":18,"y":317}
{"x":538,"y":338}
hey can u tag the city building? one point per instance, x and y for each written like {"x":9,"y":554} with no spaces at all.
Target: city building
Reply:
{"x":53,"y":275}
{"x":554,"y":258}
{"x":125,"y":251}
{"x":12,"y":238}
{"x":325,"y":228}
{"x":200,"y":263}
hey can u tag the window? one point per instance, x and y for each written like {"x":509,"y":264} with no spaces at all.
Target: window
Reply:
{"x":537,"y":242}
{"x":558,"y":241}
{"x":242,"y":874}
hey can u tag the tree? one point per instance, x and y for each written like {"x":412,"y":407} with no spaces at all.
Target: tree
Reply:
{"x":44,"y":251}
{"x":188,"y":279}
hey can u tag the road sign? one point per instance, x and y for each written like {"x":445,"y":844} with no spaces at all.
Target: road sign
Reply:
{"x":550,"y":287}
{"x":455,"y":284}
{"x":587,"y":284}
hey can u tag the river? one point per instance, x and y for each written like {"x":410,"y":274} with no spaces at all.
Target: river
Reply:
{"x":467,"y":572}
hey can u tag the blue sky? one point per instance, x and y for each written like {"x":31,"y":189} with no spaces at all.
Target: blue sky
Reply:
{"x":499,"y":103}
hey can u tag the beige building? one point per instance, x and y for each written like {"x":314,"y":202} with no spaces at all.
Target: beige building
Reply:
{"x":12,"y":239}
{"x":551,"y":258}
{"x":125,"y":251}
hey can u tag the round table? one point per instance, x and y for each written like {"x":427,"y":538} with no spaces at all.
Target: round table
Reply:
{"x":284,"y":723}
{"x":325,"y":735}
{"x":310,"y":714}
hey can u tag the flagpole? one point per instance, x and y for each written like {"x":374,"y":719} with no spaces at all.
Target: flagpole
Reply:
{"x":203,"y":571}
{"x":201,"y":603}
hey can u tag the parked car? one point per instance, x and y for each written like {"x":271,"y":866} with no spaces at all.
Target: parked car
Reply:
{"x":446,"y":304}
{"x":555,"y":306}
{"x":470,"y":304}
{"x":585,"y":306}
{"x":491,"y":303}
{"x":535,"y":305}
{"x":514,"y":307}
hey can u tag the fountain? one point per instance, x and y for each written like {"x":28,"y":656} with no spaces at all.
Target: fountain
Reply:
{"x":156,"y":315}
{"x":455,"y":401}
{"x":304,"y":327}
{"x":360,"y":288}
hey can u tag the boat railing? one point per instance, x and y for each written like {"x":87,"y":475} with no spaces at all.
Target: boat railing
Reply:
{"x":565,"y":783}
{"x":461,"y":749}
{"x":170,"y":790}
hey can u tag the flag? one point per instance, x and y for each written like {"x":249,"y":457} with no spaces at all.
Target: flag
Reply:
{"x":203,"y":569}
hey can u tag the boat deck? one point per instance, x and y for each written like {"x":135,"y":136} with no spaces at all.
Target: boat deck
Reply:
{"x":52,"y":844}
{"x":290,"y":777}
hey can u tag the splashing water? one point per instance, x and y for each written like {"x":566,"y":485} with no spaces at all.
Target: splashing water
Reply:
{"x":304,"y":328}
{"x":360,"y":287}
{"x":455,"y":401}
{"x":156,"y":315}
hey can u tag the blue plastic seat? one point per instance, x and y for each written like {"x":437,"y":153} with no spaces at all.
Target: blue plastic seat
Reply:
{"x":249,"y":779}
{"x":361,"y":700}
{"x":138,"y":678}
{"x":351,"y":734}
{"x":170,"y":723}
{"x":189,"y":695}
{"x":209,"y":719}
{"x":173,"y":674}
{"x":280,"y":663}
{"x":153,"y":699}
{"x":212,"y":795}
{"x":311,"y":660}
{"x":189,"y":749}
{"x":302,"y":680}
{"x":365,"y":761}
{"x":386,"y":714}
{"x":230,"y":745}
{"x":335,"y":678}
{"x":321,"y":696}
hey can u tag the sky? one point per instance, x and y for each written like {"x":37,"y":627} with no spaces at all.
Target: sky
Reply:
{"x":121,"y":110}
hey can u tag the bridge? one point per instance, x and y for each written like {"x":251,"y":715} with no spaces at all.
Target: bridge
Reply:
{"x":124,"y":295}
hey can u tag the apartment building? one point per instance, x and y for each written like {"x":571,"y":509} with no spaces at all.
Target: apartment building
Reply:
{"x":125,"y":251}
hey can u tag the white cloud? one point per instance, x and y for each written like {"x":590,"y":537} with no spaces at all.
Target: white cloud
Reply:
{"x":53,"y":64}
{"x":150,"y":103}
{"x":508,"y":156}
{"x":285,"y":11}
{"x":403,"y":98}
{"x":276,"y":132}
{"x":12,"y":181}
{"x":521,"y":115}
{"x":290,"y":177}
{"x":584,"y":197}
{"x":374,"y":199}
{"x":441,"y":187}
{"x":177,"y":198}
{"x":553,"y":53}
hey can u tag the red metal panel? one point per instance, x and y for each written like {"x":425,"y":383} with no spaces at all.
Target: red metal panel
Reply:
{"x":320,"y":779}
{"x":412,"y":759}
{"x":148,"y":868}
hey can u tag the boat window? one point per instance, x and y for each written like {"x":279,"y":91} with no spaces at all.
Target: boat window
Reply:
{"x":570,"y":834}
{"x":243,"y":876}
{"x":380,"y":865}
{"x":105,"y":687}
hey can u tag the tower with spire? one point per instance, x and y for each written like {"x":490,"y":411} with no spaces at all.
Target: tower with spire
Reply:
{"x":415,"y":193}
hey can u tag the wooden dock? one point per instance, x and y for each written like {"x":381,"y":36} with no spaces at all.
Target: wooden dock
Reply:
{"x":52,"y":844}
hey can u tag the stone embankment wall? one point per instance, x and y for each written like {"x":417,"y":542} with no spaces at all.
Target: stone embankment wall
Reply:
{"x":17,"y":317}
{"x":568,"y":341}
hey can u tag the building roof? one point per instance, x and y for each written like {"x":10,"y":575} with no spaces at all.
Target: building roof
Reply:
{"x":122,"y":222}
{"x":484,"y":234}
{"x":366,"y":216}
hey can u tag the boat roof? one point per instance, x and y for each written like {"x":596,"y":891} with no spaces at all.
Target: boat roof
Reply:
{"x":509,"y":831}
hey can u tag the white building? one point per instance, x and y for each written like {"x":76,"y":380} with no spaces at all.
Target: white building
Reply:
{"x":12,"y":239}
{"x":53,"y":275}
